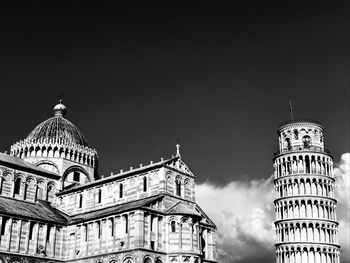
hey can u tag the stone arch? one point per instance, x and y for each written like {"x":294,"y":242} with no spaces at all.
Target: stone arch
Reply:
{"x":147,"y":259}
{"x":50,"y":191}
{"x":128,"y":259}
{"x":178,"y":185}
{"x":18,"y":181}
{"x":40,"y":190}
{"x":113,"y":260}
{"x":29,"y":188}
{"x":48,"y":165}
{"x":184,"y":219}
{"x":72,"y":169}
{"x":8,"y":175}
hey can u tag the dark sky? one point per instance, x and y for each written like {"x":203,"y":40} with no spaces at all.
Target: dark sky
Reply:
{"x":216,"y":75}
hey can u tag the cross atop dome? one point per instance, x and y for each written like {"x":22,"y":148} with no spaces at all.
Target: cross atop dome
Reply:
{"x":60,"y":109}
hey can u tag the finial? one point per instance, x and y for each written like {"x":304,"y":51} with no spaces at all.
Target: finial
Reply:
{"x":60,"y":109}
{"x":178,"y":150}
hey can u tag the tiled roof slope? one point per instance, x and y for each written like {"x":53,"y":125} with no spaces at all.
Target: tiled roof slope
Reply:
{"x":40,"y":210}
{"x":113,"y":209}
{"x":180,"y":209}
{"x":15,"y":162}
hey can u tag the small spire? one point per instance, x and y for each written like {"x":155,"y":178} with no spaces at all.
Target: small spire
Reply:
{"x":291,"y":109}
{"x":178,"y":150}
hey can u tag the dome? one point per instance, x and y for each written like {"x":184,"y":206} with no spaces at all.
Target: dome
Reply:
{"x":58,"y":129}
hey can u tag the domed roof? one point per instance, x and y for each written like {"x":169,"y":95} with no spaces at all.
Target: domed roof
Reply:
{"x":58,"y":129}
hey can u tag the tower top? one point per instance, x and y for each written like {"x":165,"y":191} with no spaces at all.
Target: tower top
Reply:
{"x":301,"y":135}
{"x":60,"y":109}
{"x":297,"y":123}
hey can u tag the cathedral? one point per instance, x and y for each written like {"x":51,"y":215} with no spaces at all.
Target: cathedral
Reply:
{"x":55,"y":207}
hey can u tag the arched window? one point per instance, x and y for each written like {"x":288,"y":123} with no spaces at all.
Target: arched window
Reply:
{"x":147,"y":260}
{"x":112,"y":226}
{"x":145,"y":184}
{"x":76,"y":176}
{"x":306,"y":141}
{"x":50,"y":193}
{"x":307,"y":164}
{"x":17,"y":188}
{"x":296,"y":134}
{"x":173,"y":226}
{"x":121,"y":191}
{"x":98,"y":229}
{"x":31,"y":230}
{"x":48,"y":232}
{"x":178,"y":187}
{"x":3,"y":225}
{"x":40,"y":191}
{"x":152,"y":222}
{"x":86,"y":232}
{"x":99,"y":195}
{"x":288,"y":143}
{"x":126,"y":224}
{"x":80,"y":200}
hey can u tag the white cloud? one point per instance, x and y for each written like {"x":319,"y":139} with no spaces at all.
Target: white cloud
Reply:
{"x":342,"y":176}
{"x":244,"y":215}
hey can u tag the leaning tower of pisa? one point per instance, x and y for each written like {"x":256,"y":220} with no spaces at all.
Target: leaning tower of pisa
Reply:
{"x":306,"y":225}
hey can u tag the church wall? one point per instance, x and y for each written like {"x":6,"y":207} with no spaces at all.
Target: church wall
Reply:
{"x":70,"y":242}
{"x":158,"y":181}
{"x":132,"y":189}
{"x":32,"y":186}
{"x":30,"y":238}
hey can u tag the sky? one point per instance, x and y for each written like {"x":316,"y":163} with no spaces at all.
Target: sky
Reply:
{"x":215,"y":76}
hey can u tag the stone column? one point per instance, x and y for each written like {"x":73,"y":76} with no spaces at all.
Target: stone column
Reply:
{"x":156,"y":232}
{"x":149,"y":230}
{"x":180,"y":235}
{"x":115,"y":220}
{"x":19,"y":222}
{"x":61,"y":255}
{"x":27,"y":239}
{"x":36,"y":238}
{"x":9,"y":229}
{"x":44,"y":233}
{"x":207,"y":244}
{"x":104,"y":236}
{"x":139,"y":228}
{"x":198,"y":238}
{"x":87,"y":239}
{"x":166,"y":236}
{"x":100,"y":233}
{"x":53,"y":240}
{"x":82,"y":239}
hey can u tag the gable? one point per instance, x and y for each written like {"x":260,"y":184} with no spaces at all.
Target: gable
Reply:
{"x":178,"y":164}
{"x":205,"y":218}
